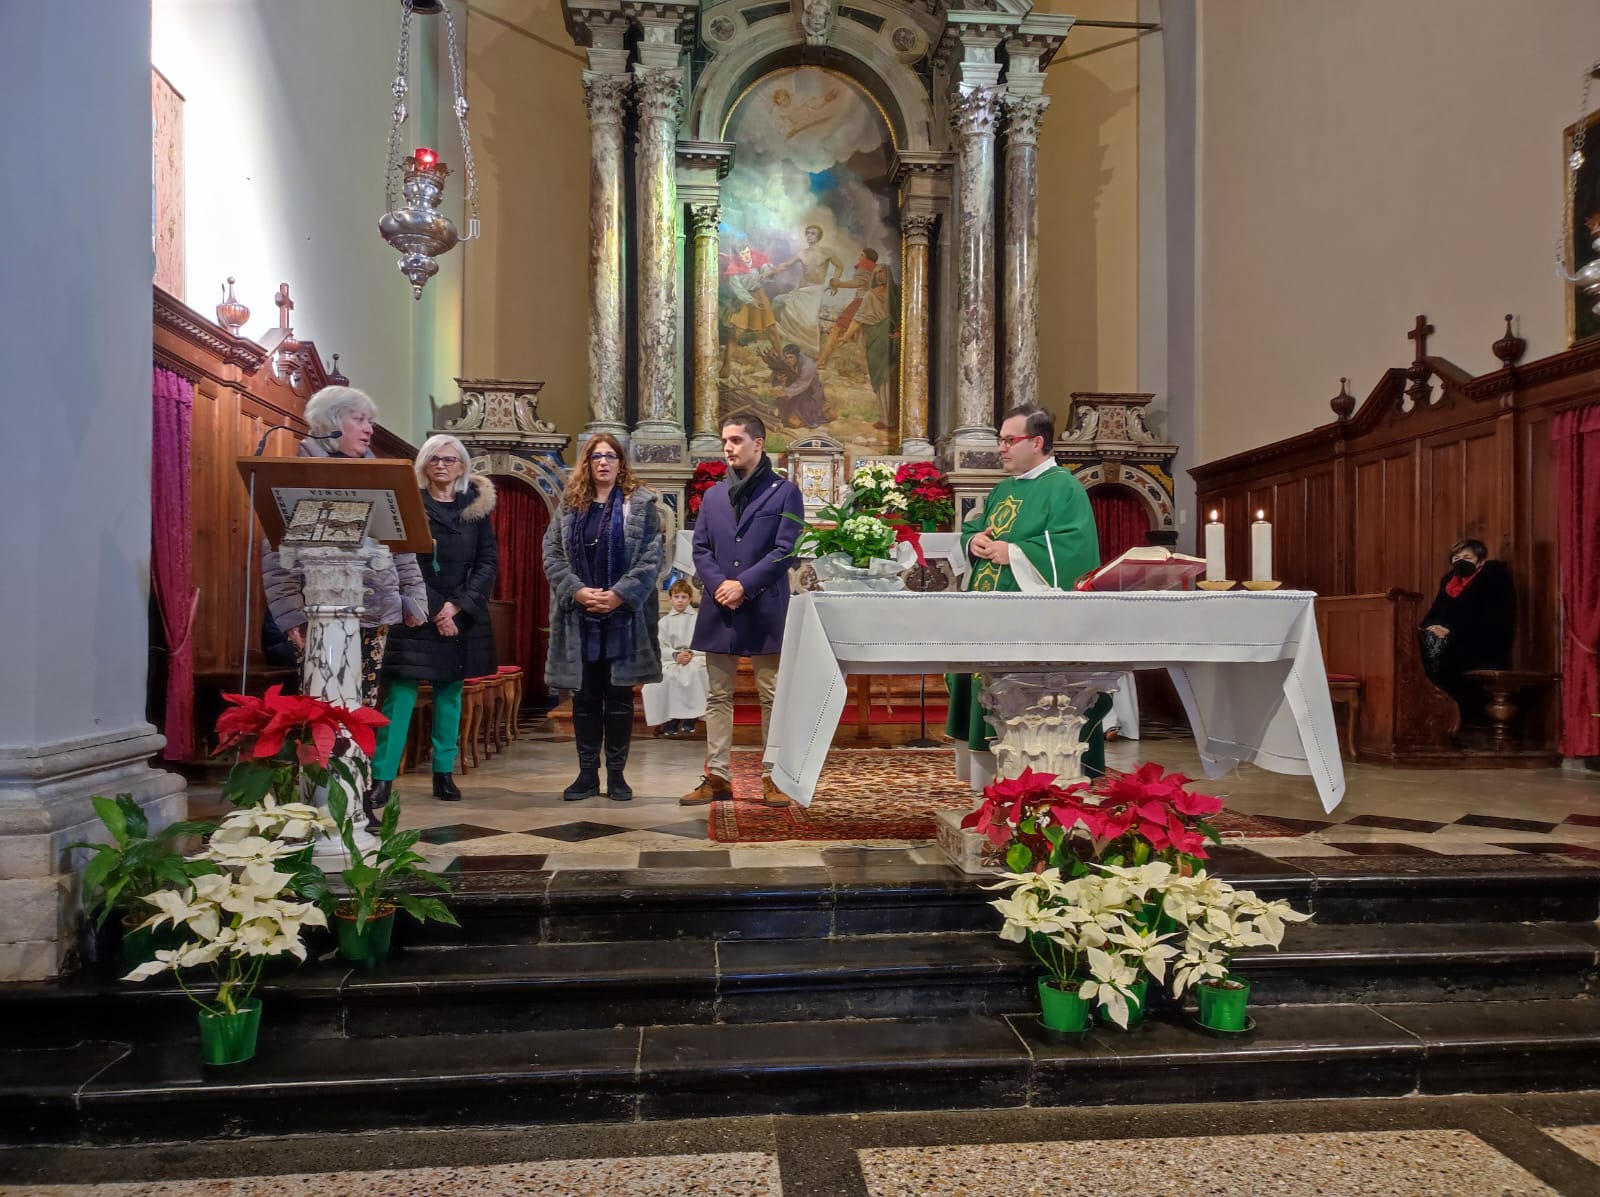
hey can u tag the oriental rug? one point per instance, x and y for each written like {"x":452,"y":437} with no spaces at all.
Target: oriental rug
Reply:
{"x":882,"y":794}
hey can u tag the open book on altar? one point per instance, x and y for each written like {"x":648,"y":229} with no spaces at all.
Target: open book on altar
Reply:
{"x":1147,"y":567}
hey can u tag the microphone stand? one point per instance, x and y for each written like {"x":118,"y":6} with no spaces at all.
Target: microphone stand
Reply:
{"x":922,"y":740}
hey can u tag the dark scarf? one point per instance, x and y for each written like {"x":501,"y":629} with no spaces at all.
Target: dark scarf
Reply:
{"x":742,"y":490}
{"x":607,"y":637}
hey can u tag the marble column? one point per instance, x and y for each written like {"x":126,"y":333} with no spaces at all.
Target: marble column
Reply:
{"x":604,"y":95}
{"x":914,"y":324}
{"x":658,"y":91}
{"x":1020,"y":277}
{"x":704,"y":218}
{"x":974,"y":115}
{"x":75,"y":591}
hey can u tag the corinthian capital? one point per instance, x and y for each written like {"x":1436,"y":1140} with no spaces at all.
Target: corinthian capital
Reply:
{"x":704,"y":218}
{"x":918,"y":227}
{"x":974,"y":113}
{"x":1024,"y":114}
{"x":604,"y":95}
{"x":659,"y":93}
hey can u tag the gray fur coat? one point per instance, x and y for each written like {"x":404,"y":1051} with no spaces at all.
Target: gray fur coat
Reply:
{"x":639,"y":589}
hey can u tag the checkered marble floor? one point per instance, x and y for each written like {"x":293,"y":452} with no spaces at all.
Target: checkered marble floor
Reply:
{"x":513,"y":817}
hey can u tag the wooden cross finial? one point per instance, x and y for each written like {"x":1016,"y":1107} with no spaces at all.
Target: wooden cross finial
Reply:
{"x":286,"y":305}
{"x":1420,"y":334}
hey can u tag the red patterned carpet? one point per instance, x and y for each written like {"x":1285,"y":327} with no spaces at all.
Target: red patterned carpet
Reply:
{"x":878,"y":794}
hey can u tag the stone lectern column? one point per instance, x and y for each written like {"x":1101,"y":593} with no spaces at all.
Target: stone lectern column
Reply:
{"x":974,"y":117}
{"x":604,"y":96}
{"x":658,"y":91}
{"x":918,"y":230}
{"x":707,"y":432}
{"x":1020,"y":285}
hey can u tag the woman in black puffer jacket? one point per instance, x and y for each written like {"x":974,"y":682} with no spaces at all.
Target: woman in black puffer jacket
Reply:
{"x":457,"y":642}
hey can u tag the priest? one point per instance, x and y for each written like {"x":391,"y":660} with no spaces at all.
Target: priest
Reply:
{"x":1036,"y":532}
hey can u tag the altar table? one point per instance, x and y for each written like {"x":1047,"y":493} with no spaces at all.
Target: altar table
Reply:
{"x":1247,"y":665}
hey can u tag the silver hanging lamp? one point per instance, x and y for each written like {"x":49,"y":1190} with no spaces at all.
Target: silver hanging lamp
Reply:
{"x":416,"y":227}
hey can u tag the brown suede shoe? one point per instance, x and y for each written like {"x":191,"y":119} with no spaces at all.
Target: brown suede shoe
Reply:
{"x":771,"y":795}
{"x":711,"y":788}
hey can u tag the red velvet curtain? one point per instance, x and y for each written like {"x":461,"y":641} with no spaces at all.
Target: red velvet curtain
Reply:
{"x":1120,"y":518}
{"x":172,"y":397}
{"x":520,"y":519}
{"x":1577,"y":451}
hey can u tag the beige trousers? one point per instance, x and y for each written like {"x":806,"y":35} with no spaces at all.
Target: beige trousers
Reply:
{"x":722,"y":670}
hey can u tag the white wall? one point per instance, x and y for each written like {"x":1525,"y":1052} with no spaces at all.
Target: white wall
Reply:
{"x":286,"y":123}
{"x":1364,"y":161}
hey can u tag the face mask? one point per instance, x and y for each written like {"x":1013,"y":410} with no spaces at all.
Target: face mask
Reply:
{"x":1463,"y":569}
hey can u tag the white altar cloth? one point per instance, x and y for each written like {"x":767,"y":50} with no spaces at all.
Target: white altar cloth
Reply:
{"x":1247,"y":665}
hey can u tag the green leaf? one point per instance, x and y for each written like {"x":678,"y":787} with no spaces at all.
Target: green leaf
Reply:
{"x":1018,"y":858}
{"x":133,"y":817}
{"x":111,"y":815}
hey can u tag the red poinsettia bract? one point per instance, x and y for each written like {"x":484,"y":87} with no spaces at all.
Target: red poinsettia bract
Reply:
{"x":314,"y":722}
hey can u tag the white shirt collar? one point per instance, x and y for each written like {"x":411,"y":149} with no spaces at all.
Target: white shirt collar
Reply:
{"x":1047,"y":464}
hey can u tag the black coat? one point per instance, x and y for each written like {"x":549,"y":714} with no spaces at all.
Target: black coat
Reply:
{"x":460,"y":570}
{"x":1481,"y":619}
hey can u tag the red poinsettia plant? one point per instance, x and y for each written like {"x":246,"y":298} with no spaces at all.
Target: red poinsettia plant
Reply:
{"x":285,"y":738}
{"x":706,"y":475}
{"x":1119,"y":819}
{"x":929,"y":498}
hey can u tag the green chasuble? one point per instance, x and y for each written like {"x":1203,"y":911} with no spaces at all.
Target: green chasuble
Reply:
{"x":1048,"y":519}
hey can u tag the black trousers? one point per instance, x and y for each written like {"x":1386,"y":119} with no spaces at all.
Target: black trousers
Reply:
{"x":602,"y":714}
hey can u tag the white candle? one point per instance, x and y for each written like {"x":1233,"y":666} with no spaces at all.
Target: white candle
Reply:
{"x":1261,"y":549}
{"x":1216,"y":551}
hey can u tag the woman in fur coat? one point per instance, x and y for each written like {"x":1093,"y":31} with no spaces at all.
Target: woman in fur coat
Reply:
{"x":604,"y":555}
{"x":456,"y":642}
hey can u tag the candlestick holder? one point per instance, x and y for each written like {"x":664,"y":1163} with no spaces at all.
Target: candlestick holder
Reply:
{"x":1260,"y":584}
{"x":1220,"y":584}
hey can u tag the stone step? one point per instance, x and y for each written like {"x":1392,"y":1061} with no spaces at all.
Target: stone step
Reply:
{"x":110,"y":1093}
{"x":475,"y":989}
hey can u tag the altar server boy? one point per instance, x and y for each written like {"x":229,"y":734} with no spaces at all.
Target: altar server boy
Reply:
{"x":674,"y":703}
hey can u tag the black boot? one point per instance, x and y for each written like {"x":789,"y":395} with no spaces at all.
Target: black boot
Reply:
{"x":619,"y":735}
{"x":444,"y":788}
{"x":588,"y":728}
{"x":373,"y":802}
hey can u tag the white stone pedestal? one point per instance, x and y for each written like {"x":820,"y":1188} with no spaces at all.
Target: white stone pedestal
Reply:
{"x":1038,"y":718}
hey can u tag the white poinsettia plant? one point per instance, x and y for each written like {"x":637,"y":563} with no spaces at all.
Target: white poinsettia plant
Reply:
{"x":238,"y":917}
{"x":1220,"y":921}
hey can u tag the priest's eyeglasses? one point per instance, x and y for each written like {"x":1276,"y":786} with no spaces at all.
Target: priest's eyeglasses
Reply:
{"x":1007,"y":441}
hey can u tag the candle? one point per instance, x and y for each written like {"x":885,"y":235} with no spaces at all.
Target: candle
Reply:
{"x":1216,"y":551}
{"x":425,"y":158}
{"x":1261,"y":549}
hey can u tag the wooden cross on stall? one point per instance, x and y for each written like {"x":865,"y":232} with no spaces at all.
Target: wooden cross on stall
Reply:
{"x":1419,"y":392}
{"x":286,"y":305}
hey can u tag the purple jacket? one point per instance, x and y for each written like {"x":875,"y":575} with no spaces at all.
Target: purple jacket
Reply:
{"x":757,"y":552}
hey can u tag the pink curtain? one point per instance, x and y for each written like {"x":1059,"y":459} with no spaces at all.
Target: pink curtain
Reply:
{"x":1120,"y":518}
{"x":1577,"y":451}
{"x":520,"y":519}
{"x":170,"y":570}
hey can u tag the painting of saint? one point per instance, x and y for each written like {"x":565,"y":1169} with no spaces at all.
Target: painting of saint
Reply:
{"x":809,"y":302}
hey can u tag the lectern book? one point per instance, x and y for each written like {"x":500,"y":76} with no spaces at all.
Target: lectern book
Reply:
{"x":1147,"y":567}
{"x":335,"y":495}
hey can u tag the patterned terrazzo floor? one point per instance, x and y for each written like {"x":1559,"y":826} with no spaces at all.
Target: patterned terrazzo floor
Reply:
{"x":513,"y":817}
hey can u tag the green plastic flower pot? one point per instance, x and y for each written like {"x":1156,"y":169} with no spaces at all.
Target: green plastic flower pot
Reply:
{"x":1062,"y":1009}
{"x":367,"y":945}
{"x":1222,"y":1003}
{"x":230,"y":1038}
{"x":1140,"y":989}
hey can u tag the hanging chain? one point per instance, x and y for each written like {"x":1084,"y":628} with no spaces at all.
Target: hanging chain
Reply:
{"x":402,"y":67}
{"x":1580,"y":135}
{"x":460,"y":108}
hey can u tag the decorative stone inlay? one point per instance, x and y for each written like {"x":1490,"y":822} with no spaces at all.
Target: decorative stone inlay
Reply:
{"x":657,"y":454}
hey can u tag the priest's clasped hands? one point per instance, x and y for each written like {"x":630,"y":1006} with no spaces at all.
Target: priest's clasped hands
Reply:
{"x":984,"y":545}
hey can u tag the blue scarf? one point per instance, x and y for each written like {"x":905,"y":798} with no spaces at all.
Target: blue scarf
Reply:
{"x":607,"y":637}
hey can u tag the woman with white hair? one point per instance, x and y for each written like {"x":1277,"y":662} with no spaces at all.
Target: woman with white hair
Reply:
{"x":341,"y":423}
{"x":456,"y":642}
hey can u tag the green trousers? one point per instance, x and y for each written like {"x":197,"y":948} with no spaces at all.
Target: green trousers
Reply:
{"x":399,"y":699}
{"x":965,"y":721}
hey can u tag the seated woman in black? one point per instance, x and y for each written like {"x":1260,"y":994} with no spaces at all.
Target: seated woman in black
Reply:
{"x":1469,"y":626}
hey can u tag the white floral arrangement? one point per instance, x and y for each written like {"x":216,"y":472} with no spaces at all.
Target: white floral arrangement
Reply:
{"x":237,"y":917}
{"x":873,"y":490}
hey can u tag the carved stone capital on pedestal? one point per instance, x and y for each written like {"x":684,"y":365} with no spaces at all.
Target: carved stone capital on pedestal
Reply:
{"x":1038,"y":718}
{"x":604,"y":96}
{"x":704,"y":218}
{"x":1024,"y":115}
{"x":918,"y":227}
{"x":974,"y":114}
{"x":658,"y":92}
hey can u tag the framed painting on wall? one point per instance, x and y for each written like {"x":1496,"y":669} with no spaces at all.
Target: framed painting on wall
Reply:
{"x":166,"y":185}
{"x":1583,"y":222}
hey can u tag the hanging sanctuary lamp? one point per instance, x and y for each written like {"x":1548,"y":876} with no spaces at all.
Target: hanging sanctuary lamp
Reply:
{"x":415,"y":226}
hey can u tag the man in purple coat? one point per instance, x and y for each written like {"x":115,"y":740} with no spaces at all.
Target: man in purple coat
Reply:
{"x":743,"y":548}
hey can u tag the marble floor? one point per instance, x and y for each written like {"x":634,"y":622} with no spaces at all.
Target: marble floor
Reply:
{"x":1524,"y":1146}
{"x":513,"y":817}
